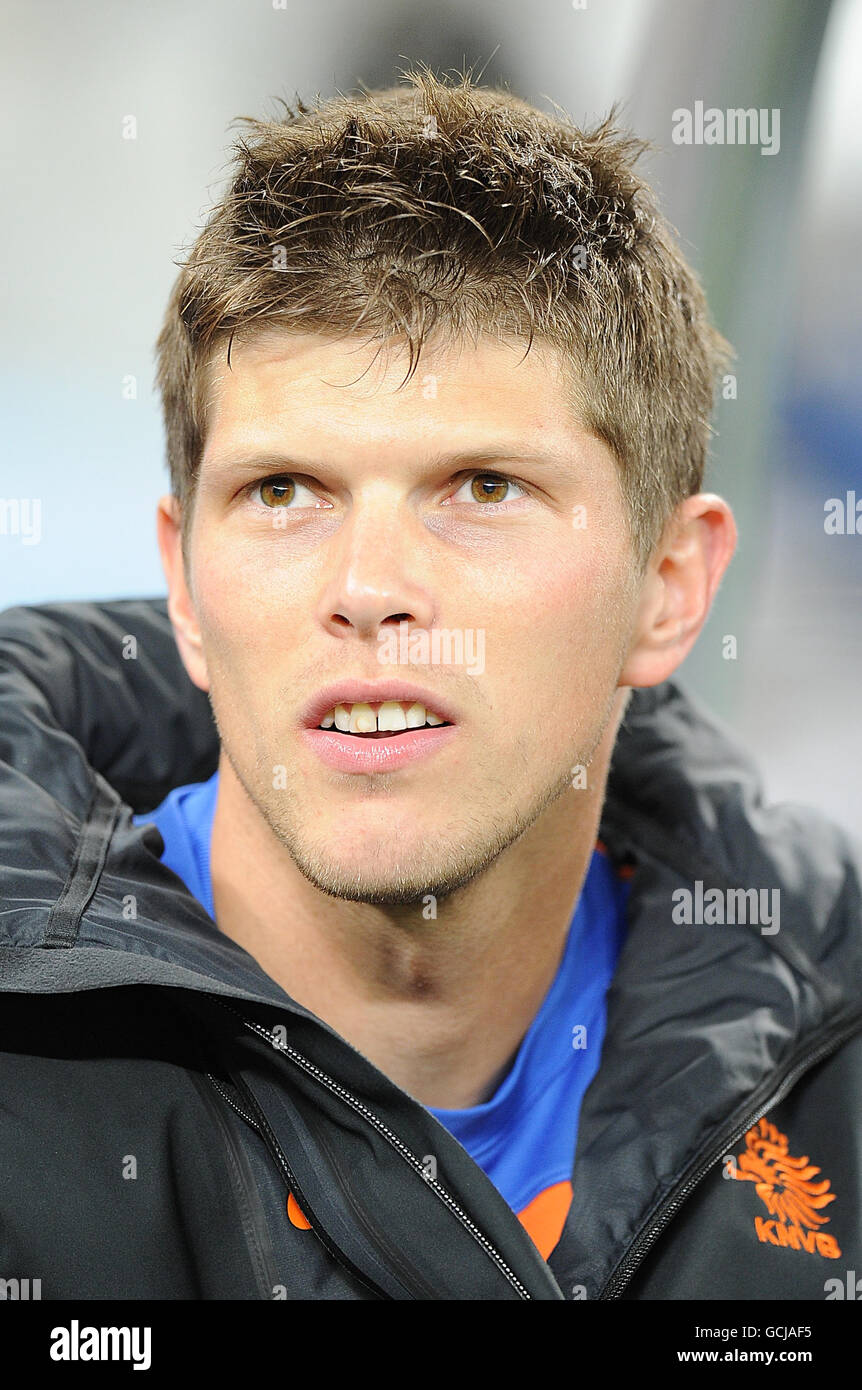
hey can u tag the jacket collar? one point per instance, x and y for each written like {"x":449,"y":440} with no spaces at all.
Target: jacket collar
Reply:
{"x":704,"y":1018}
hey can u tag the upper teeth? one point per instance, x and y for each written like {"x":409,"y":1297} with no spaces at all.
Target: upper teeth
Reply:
{"x":388,"y":717}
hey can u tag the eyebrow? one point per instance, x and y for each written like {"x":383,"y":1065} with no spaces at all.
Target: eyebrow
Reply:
{"x":262,"y":461}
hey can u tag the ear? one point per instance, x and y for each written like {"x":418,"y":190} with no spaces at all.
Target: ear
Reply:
{"x":682,"y":578}
{"x":180,"y":606}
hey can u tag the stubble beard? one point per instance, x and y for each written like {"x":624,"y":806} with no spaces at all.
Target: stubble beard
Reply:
{"x":438,"y":871}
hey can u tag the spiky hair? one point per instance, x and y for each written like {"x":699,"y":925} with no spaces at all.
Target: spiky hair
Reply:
{"x":442,"y":207}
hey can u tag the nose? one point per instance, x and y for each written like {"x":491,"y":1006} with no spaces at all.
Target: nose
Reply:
{"x":372,"y":577}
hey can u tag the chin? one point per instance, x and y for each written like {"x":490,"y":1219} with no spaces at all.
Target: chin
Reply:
{"x":373,"y":877}
{"x":367,"y":833}
{"x":360,"y":885}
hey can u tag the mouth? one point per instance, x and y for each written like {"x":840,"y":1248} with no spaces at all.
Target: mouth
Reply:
{"x":383,"y":719}
{"x":376,"y":736}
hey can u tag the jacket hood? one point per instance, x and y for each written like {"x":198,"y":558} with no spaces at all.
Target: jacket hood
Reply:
{"x":99,"y":721}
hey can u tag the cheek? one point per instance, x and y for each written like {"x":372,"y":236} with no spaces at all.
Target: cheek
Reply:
{"x":553,"y":652}
{"x":243,"y":626}
{"x":561,"y":615}
{"x":246,"y":591}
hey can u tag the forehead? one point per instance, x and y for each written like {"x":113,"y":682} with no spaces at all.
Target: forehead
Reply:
{"x":283,"y":382}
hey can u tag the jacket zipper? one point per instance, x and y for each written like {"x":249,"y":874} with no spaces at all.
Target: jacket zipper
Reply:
{"x":263,"y":1130}
{"x":644,"y":1243}
{"x":257,"y":1234}
{"x":266,"y":1133}
{"x":335,"y":1088}
{"x":228,"y":1100}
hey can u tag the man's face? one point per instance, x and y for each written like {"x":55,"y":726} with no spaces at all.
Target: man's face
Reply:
{"x":387,"y":507}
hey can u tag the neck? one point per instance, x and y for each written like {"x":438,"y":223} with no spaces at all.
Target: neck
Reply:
{"x":440,"y":1005}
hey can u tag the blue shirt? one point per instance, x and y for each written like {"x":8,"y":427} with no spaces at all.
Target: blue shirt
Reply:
{"x":523,"y":1137}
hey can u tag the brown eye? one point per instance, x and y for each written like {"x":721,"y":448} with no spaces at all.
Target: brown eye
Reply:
{"x":277,"y":491}
{"x":481,"y":484}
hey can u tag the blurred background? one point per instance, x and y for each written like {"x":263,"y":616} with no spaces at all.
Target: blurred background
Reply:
{"x":95,"y":222}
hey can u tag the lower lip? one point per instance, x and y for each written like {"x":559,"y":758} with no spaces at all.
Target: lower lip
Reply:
{"x":350,"y":753}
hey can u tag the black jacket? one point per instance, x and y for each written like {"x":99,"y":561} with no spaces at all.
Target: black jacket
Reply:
{"x":160,"y":1095}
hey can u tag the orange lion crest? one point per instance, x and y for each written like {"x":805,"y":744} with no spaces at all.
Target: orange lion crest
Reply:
{"x":788,"y":1189}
